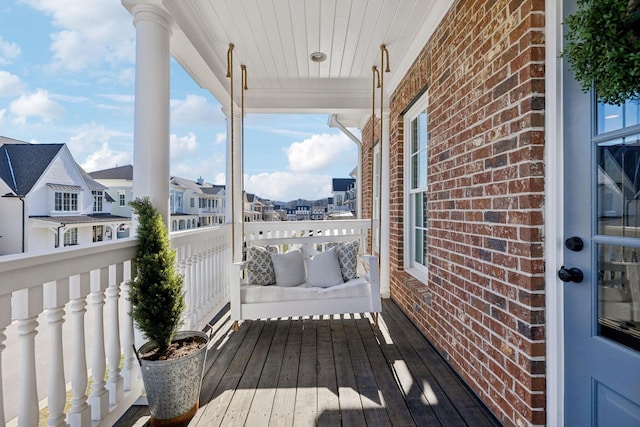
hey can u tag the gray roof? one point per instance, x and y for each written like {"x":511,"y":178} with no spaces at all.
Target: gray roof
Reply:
{"x":82,"y":219}
{"x":119,"y":172}
{"x":342,"y":184}
{"x":187,"y":183}
{"x":22,"y":164}
{"x":93,"y":184}
{"x":214,"y":189}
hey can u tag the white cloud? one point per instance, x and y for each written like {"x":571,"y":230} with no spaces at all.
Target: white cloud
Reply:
{"x":318,"y":152}
{"x":189,"y":160}
{"x":70,"y":98}
{"x":92,"y":32}
{"x":10,"y":84}
{"x":221,"y":138}
{"x":286,"y":186}
{"x":182,"y":145}
{"x":125,"y":99}
{"x":194,"y":109}
{"x":200,"y":167}
{"x":89,"y":138}
{"x":8,"y":51}
{"x":35,"y":104}
{"x":105,"y":158}
{"x":220,"y":179}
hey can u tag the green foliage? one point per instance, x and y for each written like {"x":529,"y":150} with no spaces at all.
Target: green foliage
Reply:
{"x":603,"y":48}
{"x":157,"y":298}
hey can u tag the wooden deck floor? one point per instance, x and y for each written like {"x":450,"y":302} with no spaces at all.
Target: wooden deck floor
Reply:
{"x":338,"y":371}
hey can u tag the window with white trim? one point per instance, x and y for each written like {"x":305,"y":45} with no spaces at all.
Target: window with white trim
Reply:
{"x":416,"y":195}
{"x":65,"y":202}
{"x":122,"y":199}
{"x":97,"y":200}
{"x":71,"y":237}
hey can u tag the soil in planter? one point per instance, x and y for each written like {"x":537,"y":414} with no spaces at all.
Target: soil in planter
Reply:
{"x":178,"y":348}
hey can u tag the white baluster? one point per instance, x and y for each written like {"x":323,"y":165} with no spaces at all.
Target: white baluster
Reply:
{"x":201,"y":288}
{"x":209,"y":280}
{"x":5,"y":320}
{"x":26,"y":305}
{"x":99,"y":399}
{"x":181,"y":268}
{"x":80,"y":414}
{"x":191,"y":295}
{"x":115,"y":383}
{"x":128,"y":369}
{"x":56,"y":295}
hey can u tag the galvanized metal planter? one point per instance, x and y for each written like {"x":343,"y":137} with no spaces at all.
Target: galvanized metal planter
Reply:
{"x":173,"y":386}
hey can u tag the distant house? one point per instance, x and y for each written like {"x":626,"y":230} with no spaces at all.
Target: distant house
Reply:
{"x":341,"y":193}
{"x":318,"y":213}
{"x":271,"y":213}
{"x":47,"y":201}
{"x":211,"y":204}
{"x":119,"y":183}
{"x":303,"y":213}
{"x":192,"y":203}
{"x":291,"y":214}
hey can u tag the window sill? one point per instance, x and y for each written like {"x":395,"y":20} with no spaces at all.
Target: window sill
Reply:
{"x":418,"y":273}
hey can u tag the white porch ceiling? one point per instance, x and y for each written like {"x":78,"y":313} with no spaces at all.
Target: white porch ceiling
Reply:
{"x":274,"y":39}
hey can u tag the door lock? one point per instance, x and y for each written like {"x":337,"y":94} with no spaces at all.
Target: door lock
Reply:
{"x":570,"y":275}
{"x":574,"y":244}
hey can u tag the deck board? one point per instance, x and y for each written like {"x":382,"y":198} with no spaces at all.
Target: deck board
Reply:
{"x":329,"y":371}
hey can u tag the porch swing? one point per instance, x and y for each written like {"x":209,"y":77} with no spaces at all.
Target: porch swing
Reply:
{"x":285,"y":271}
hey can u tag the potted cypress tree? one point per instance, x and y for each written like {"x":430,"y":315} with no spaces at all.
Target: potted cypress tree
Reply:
{"x":172,"y":361}
{"x":602,"y":46}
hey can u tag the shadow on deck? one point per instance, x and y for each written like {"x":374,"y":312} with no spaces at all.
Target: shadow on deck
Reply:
{"x":330,"y":371}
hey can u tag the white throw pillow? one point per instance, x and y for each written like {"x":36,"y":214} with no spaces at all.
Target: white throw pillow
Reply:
{"x":323,"y":269}
{"x":289,"y":268}
{"x":308,"y":250}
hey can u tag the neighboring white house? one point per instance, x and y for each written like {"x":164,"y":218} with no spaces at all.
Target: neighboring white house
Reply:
{"x":47,"y":201}
{"x":119,"y":183}
{"x":341,"y":193}
{"x":192,"y":203}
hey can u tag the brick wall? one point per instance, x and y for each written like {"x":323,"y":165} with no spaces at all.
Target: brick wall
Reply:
{"x":483,"y":304}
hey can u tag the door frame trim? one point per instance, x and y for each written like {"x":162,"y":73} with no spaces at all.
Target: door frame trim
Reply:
{"x":554,"y":213}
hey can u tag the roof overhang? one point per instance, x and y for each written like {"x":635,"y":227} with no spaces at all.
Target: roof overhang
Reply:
{"x":274,"y":40}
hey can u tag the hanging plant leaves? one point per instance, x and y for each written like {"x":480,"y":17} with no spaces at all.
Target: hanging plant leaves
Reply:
{"x":602,"y":46}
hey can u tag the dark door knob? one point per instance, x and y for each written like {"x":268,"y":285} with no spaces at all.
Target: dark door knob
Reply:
{"x":570,"y":274}
{"x":574,"y":244}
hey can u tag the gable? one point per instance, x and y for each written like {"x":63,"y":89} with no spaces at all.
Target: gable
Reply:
{"x":22,"y":165}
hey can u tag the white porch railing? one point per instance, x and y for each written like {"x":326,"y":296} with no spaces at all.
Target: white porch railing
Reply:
{"x":67,"y":312}
{"x":314,"y":230}
{"x":64,"y":319}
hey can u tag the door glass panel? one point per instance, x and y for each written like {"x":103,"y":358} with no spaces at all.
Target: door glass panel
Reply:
{"x":618,"y":183}
{"x":616,"y":117}
{"x":619,"y":294}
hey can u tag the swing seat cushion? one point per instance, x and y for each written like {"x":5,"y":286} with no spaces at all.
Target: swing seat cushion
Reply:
{"x":251,"y":294}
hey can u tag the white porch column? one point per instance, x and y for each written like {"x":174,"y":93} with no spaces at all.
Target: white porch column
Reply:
{"x":151,"y":128}
{"x":384,"y":202}
{"x":235,"y":177}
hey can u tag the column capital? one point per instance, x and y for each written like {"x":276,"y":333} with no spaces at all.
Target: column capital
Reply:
{"x":149,"y":10}
{"x":226,"y":110}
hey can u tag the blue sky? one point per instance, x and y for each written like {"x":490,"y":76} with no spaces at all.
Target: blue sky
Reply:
{"x":67,"y":76}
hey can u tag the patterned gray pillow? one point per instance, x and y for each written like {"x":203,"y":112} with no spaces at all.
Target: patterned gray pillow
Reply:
{"x":260,"y":268}
{"x":348,"y":259}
